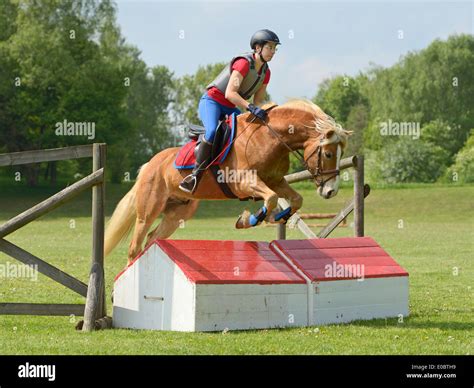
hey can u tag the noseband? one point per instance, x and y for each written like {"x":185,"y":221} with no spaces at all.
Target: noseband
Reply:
{"x":318,"y":175}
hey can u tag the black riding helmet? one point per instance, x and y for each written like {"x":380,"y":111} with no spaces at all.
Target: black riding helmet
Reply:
{"x":262,"y":36}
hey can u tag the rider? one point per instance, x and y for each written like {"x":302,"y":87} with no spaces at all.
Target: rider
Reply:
{"x":246,"y":75}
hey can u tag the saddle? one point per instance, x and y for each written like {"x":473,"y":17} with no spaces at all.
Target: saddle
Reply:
{"x":225,"y":134}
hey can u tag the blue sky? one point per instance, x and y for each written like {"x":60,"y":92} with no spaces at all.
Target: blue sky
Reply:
{"x":319,"y":39}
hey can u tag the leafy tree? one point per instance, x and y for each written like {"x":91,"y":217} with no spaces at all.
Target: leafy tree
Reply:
{"x":357,"y":121}
{"x":71,"y":63}
{"x":436,"y":83}
{"x":409,"y":160}
{"x":188,"y":92}
{"x":463,"y":168}
{"x":450,"y":137}
{"x":338,"y":96}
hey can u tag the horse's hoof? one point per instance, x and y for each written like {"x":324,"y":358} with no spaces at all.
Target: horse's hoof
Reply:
{"x":243,"y":220}
{"x":240,"y":223}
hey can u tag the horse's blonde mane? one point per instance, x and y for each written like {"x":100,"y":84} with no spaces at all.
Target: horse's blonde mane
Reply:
{"x":322,"y":122}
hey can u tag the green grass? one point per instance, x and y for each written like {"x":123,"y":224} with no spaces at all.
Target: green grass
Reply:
{"x":435,"y":245}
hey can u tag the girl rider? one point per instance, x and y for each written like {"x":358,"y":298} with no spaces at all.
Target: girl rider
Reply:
{"x":246,"y":75}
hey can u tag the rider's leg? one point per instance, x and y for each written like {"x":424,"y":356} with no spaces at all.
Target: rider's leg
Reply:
{"x":209,"y":113}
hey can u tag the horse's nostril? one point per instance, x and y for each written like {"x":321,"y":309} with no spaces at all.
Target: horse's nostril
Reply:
{"x":329,"y":193}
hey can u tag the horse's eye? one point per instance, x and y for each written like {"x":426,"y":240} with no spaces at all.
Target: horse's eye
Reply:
{"x":328,"y":155}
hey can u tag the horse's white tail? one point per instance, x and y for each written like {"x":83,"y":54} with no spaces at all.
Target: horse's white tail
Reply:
{"x":122,"y":219}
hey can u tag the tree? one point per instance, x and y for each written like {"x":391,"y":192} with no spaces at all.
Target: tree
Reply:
{"x":409,"y":160}
{"x":67,"y":62}
{"x":337,"y":97}
{"x":60,"y":75}
{"x":436,"y":83}
{"x":463,"y":168}
{"x":357,"y":122}
{"x":188,"y":92}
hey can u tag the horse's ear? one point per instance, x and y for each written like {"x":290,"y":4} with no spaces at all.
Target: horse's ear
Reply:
{"x":329,"y":133}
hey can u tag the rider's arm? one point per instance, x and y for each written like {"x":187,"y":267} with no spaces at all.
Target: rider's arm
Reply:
{"x":231,"y":92}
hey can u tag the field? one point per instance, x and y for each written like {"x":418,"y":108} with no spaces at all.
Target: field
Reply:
{"x":428,"y":229}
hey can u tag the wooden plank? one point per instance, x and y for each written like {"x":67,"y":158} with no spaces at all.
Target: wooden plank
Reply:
{"x":359,"y":195}
{"x":43,"y":267}
{"x":341,"y":216}
{"x":51,"y":203}
{"x":296,"y":220}
{"x":41,"y":309}
{"x":95,"y":303}
{"x":316,"y":216}
{"x":305,"y":175}
{"x":37,"y":156}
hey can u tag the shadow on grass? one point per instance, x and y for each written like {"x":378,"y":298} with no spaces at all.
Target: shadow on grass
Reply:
{"x":414,"y":321}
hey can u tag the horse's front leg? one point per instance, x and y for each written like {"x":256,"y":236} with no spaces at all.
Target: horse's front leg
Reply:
{"x":284,"y":190}
{"x":257,"y":189}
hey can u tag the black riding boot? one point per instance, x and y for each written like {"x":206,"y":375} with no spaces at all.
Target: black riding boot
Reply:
{"x":203,"y":156}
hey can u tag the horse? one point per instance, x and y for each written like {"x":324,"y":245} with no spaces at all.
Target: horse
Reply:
{"x":261,"y":150}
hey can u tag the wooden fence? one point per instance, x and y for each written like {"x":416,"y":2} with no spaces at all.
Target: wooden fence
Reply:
{"x":94,"y":309}
{"x":361,"y":191}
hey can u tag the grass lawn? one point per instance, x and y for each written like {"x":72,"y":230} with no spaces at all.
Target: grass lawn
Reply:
{"x":427,"y":229}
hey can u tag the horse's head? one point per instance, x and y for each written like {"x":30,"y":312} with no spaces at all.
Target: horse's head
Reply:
{"x":323,"y":156}
{"x":322,"y":139}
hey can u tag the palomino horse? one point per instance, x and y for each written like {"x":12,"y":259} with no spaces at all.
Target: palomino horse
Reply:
{"x":261,"y":150}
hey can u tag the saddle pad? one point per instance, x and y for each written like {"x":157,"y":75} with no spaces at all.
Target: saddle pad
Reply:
{"x":185,"y":159}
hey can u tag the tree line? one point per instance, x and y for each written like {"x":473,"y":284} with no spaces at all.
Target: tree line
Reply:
{"x":68,"y":77}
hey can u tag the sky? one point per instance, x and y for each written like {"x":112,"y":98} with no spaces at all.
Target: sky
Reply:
{"x":319,"y":39}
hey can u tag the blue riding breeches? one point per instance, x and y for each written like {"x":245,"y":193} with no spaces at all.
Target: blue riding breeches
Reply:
{"x":210,"y":112}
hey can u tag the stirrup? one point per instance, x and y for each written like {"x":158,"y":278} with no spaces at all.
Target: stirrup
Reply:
{"x":188,"y":184}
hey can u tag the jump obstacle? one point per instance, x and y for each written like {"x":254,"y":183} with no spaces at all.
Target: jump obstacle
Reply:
{"x":94,"y":310}
{"x":187,"y":285}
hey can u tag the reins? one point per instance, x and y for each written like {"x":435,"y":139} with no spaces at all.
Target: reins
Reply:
{"x":318,"y":175}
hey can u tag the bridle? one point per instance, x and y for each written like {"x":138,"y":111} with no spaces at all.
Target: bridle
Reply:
{"x":319,"y":173}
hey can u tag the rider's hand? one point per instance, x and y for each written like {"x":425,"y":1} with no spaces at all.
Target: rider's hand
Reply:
{"x":256,"y":111}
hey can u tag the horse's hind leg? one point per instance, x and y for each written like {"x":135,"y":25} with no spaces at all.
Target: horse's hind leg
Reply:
{"x":149,"y":206}
{"x":173,"y":215}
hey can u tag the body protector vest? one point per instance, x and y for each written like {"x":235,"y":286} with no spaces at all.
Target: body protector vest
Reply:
{"x":251,"y":82}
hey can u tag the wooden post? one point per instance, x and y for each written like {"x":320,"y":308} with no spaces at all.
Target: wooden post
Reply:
{"x":359,"y":197}
{"x":295,"y":220}
{"x":281,"y":232}
{"x":95,"y":303}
